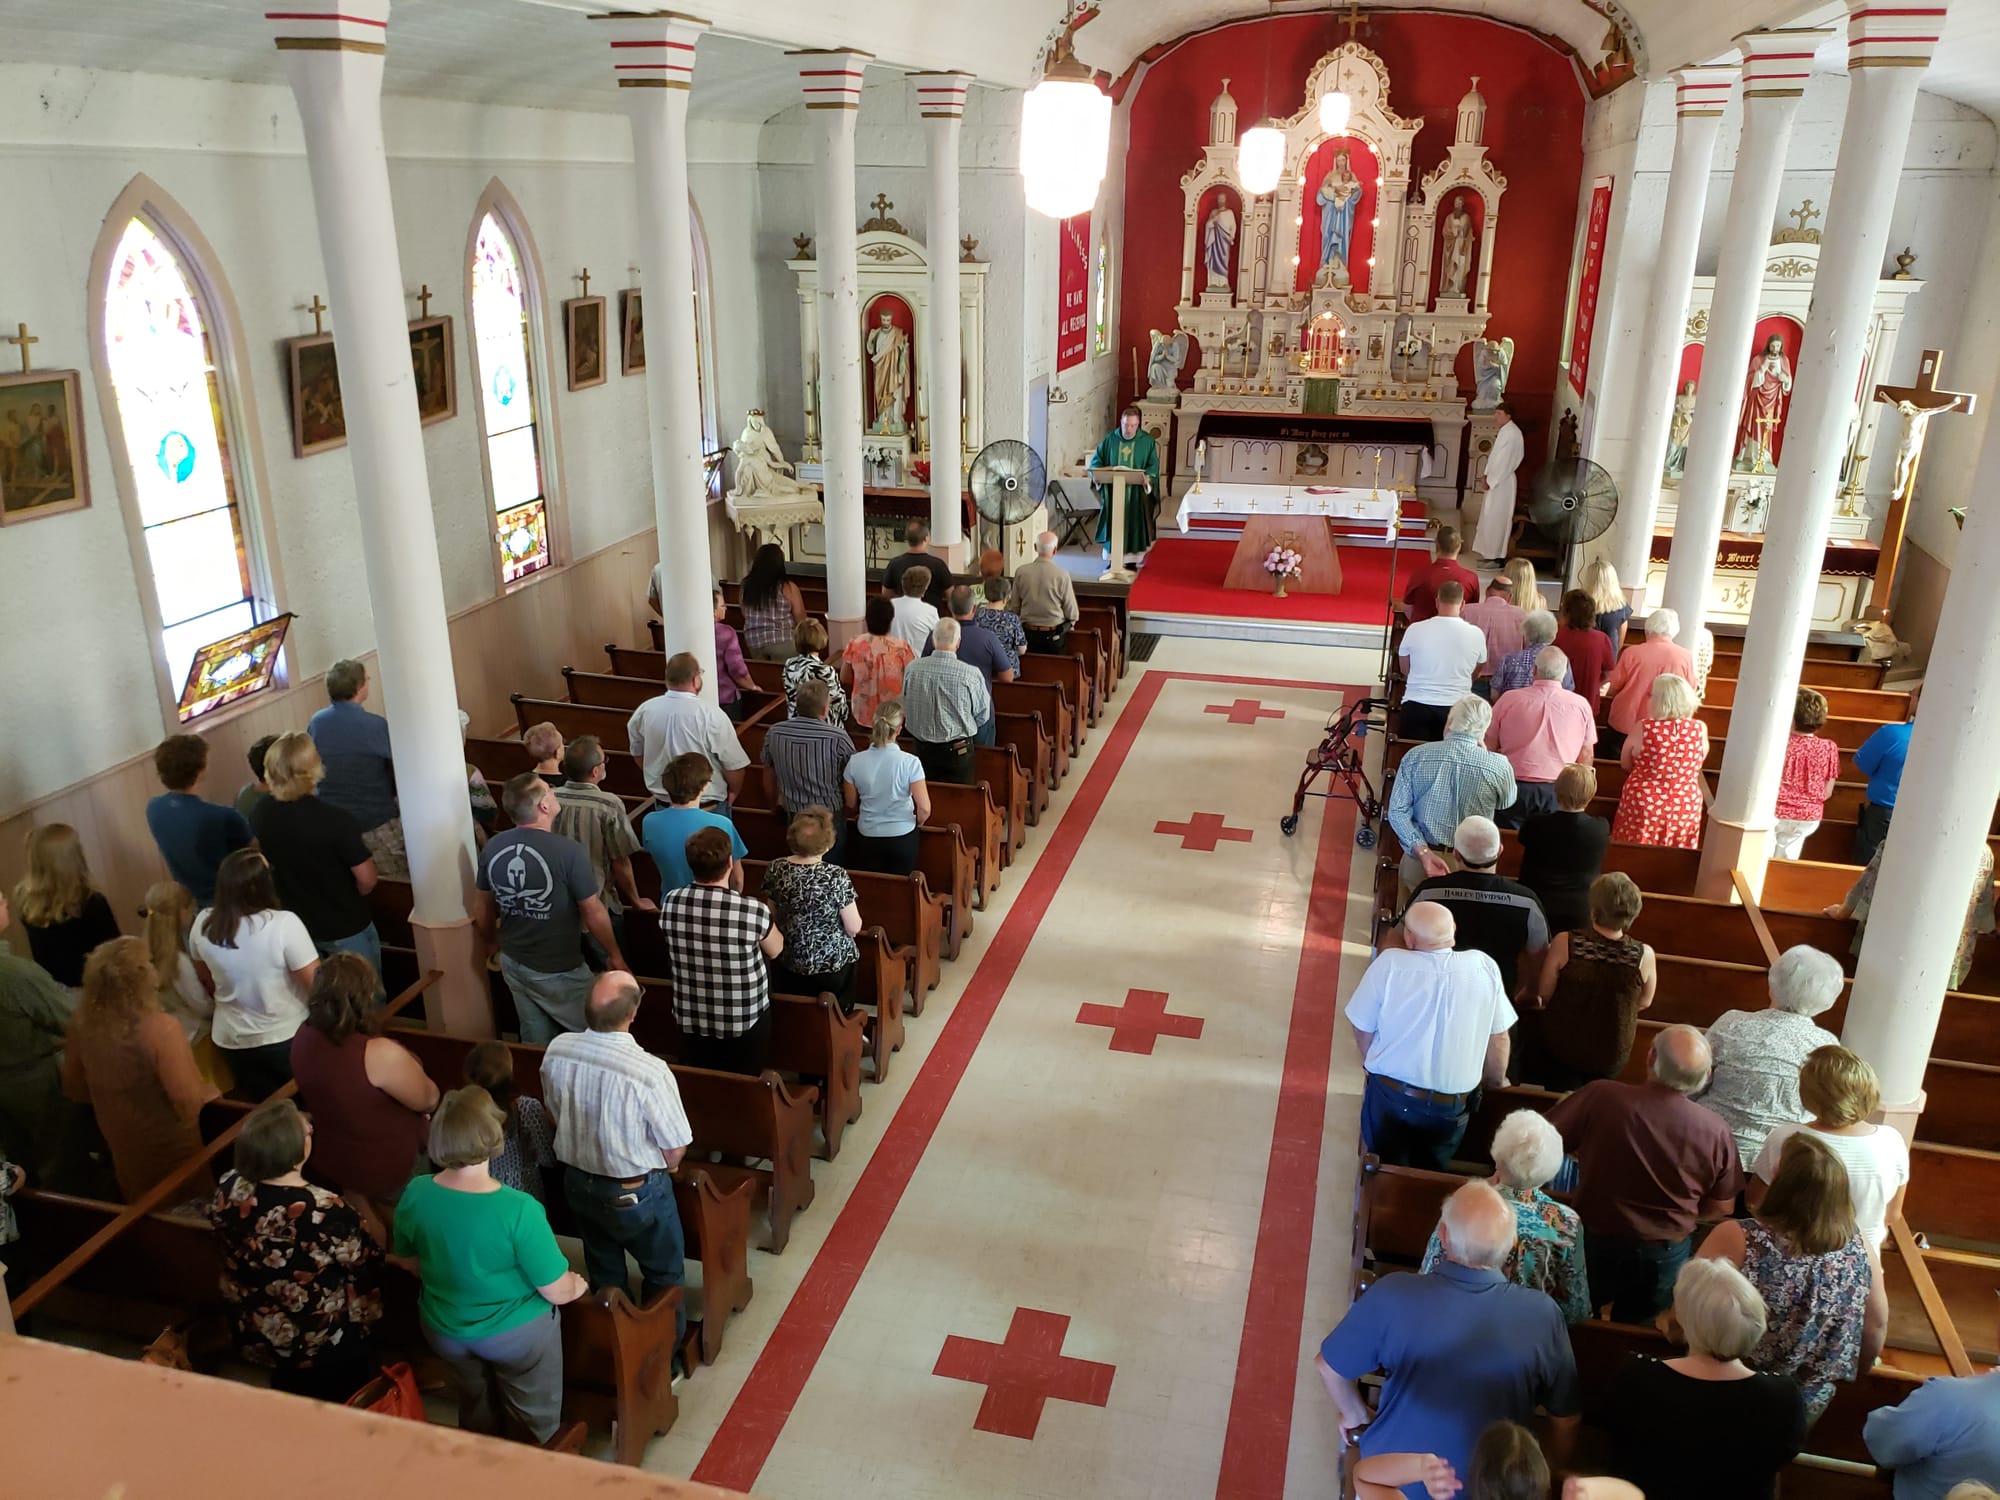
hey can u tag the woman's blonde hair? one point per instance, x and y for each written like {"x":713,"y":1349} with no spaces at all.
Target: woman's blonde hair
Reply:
{"x":1600,"y":581}
{"x":888,"y":724}
{"x":170,"y":909}
{"x":1838,"y":1086}
{"x":1809,"y":1201}
{"x":810,"y":831}
{"x":119,"y":986}
{"x":809,"y":637}
{"x":58,"y":879}
{"x":1522,"y":573}
{"x":468,"y":1128}
{"x":292,"y":767}
{"x":1673,"y":697}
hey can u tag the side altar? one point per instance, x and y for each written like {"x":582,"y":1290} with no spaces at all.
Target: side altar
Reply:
{"x":1325,"y":316}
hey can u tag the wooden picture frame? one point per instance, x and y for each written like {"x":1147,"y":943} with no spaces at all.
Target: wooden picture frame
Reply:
{"x":631,"y":332}
{"x":433,"y":359}
{"x":319,"y":420}
{"x":43,"y":465}
{"x":583,"y":330}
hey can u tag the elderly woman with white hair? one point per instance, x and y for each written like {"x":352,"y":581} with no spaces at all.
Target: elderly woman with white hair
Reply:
{"x":1704,"y":1423}
{"x":1631,"y":683}
{"x":1548,"y":1249}
{"x":1758,"y":1053}
{"x":1517,"y":668}
{"x":1661,"y":801}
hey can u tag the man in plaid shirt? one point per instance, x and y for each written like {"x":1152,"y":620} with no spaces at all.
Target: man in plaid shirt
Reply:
{"x":717,"y":941}
{"x":1439,"y":785}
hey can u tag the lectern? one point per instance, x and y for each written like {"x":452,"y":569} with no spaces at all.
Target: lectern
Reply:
{"x":1119,"y":478}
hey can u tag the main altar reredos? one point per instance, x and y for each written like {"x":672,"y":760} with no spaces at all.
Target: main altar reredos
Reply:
{"x":1327,"y":317}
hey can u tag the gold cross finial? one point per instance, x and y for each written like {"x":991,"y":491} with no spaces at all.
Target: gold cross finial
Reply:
{"x":1804,"y":213}
{"x":23,"y":339}
{"x":319,"y":311}
{"x":1924,"y":394}
{"x":1352,"y":20}
{"x":424,"y":300}
{"x":882,"y":205}
{"x":586,"y":281}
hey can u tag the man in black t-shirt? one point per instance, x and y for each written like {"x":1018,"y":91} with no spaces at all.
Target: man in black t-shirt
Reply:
{"x":918,"y":538}
{"x":1496,"y":916}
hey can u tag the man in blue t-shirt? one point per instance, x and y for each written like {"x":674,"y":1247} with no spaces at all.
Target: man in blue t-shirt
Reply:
{"x":195,"y":836}
{"x":1880,"y":759}
{"x":538,"y":895}
{"x":1460,"y":1347}
{"x":1946,"y":1431}
{"x":666,"y":830}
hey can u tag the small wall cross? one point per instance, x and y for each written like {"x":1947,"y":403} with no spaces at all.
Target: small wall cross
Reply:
{"x":1353,"y":20}
{"x":882,"y":205}
{"x":1804,"y":213}
{"x":319,"y":311}
{"x":586,"y":281}
{"x":424,"y":300}
{"x":22,"y":340}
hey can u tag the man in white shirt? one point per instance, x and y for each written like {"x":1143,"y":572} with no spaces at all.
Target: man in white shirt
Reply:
{"x":679,"y":723}
{"x":1432,"y":1026}
{"x":1438,"y":657}
{"x":621,"y":1131}
{"x":915,"y":619}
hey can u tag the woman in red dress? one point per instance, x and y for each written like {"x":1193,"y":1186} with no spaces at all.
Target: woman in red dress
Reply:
{"x":1661,"y":803}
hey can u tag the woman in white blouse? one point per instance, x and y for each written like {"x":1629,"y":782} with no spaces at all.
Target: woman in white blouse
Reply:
{"x":1840,"y":1091}
{"x":259,"y":961}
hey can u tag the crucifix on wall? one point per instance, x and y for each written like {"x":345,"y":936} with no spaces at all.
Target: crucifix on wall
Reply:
{"x":1918,"y":403}
{"x":1353,"y":20}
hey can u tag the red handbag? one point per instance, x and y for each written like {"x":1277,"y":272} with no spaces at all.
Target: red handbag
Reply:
{"x":393,"y":1393}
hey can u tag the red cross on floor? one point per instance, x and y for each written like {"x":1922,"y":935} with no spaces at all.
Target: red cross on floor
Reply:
{"x":1245,"y":711}
{"x":1203,"y":831}
{"x":1024,"y":1373}
{"x":1140,"y":1022}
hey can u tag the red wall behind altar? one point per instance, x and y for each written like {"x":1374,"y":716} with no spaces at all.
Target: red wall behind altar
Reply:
{"x":1534,"y":135}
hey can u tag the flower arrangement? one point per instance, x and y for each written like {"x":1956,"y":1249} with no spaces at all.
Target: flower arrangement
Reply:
{"x":1284,"y":561}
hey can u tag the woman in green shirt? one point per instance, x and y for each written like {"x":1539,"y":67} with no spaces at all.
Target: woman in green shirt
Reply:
{"x":492,"y":1273}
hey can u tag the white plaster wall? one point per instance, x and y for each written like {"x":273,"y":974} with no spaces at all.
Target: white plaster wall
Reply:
{"x":231,"y":155}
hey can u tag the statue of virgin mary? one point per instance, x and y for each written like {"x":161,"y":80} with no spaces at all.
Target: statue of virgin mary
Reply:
{"x":1339,"y":199}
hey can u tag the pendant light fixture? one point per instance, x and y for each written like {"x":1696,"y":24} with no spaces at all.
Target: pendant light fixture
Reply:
{"x":1260,"y":157}
{"x":1065,"y":134}
{"x":1335,"y":108}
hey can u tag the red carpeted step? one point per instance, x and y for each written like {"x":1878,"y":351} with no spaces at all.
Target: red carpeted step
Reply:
{"x":1183,"y":576}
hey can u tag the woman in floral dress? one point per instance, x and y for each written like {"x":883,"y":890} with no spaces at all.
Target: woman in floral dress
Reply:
{"x":816,"y":909}
{"x":1661,"y":803}
{"x":1820,"y":1280}
{"x":871,"y":668}
{"x":301,"y":1276}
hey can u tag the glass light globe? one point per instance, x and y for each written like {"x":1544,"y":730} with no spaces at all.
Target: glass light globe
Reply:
{"x":1260,"y":157}
{"x":1335,"y":109}
{"x":1065,"y":141}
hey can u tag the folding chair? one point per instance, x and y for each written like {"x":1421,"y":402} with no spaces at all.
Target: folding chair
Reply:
{"x":1071,"y":519}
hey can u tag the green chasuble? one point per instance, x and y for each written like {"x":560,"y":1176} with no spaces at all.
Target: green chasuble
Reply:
{"x":1120,"y":452}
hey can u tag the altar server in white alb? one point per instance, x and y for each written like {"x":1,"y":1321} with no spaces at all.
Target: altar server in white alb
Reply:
{"x":1496,"y":515}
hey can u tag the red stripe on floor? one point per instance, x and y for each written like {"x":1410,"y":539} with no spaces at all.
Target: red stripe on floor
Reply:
{"x":742,"y":1445}
{"x":1257,"y":1442}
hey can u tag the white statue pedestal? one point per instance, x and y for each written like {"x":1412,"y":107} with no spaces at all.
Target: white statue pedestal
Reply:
{"x":1456,"y":307}
{"x":1216,"y":299}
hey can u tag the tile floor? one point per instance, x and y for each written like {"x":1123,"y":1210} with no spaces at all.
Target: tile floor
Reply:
{"x":1048,"y":1206}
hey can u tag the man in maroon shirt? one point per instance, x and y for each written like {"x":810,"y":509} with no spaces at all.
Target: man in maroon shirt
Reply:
{"x":1651,"y":1163}
{"x":1421,"y":595}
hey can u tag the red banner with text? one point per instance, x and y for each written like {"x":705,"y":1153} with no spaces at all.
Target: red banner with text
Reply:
{"x":1586,"y":291}
{"x":1073,"y":285}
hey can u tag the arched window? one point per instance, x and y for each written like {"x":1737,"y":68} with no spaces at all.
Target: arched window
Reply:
{"x":1100,"y":299}
{"x":161,"y":352}
{"x":503,"y":360}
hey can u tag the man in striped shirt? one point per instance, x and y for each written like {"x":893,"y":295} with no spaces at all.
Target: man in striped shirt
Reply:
{"x":621,"y":1130}
{"x":807,"y":754}
{"x":1439,"y":785}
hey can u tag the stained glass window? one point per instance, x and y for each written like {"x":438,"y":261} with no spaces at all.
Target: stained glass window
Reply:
{"x":161,"y":353}
{"x":501,"y":343}
{"x":234,"y":667}
{"x":1100,"y":317}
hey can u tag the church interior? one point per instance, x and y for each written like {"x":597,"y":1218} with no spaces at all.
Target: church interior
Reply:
{"x":1209,"y":357}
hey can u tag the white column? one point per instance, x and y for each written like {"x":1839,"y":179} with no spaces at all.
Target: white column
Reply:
{"x":1950,"y":782}
{"x":941,"y":101}
{"x":831,"y":83}
{"x":1699,"y":96}
{"x":335,"y":66}
{"x":1886,"y":53}
{"x":1775,"y":66}
{"x":652,"y":59}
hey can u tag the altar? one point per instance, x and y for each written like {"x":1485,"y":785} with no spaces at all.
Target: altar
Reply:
{"x":1307,"y":520}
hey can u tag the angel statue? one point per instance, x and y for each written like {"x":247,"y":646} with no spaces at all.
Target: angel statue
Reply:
{"x":1163,"y":365}
{"x":761,"y":470}
{"x":1491,"y":360}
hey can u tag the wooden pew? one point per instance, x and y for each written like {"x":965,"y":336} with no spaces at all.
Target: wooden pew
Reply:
{"x":1846,"y":733}
{"x":1842,"y":702}
{"x":1034,"y":749}
{"x":606,"y":690}
{"x":1954,"y":1193}
{"x":618,"y":1369}
{"x":1068,"y":673}
{"x":1667,"y":872}
{"x":1050,"y":707}
{"x":715,"y":1223}
{"x":1110,"y":631}
{"x":809,"y":1038}
{"x":906,"y":911}
{"x":1814,"y":673}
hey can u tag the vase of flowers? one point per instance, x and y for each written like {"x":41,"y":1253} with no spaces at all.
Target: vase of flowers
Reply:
{"x":1282,"y":562}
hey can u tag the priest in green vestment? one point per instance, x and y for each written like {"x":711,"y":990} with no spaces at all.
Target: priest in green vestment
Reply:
{"x":1126,"y":447}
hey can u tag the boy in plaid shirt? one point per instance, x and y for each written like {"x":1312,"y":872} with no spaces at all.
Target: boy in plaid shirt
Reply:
{"x":717,"y":940}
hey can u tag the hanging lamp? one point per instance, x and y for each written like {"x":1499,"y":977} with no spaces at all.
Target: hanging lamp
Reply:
{"x":1260,"y":157}
{"x":1335,"y":110}
{"x":1065,"y":135}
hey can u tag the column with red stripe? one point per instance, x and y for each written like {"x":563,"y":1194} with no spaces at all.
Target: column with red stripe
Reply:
{"x":652,"y":60}
{"x":941,"y":102}
{"x":830,"y":84}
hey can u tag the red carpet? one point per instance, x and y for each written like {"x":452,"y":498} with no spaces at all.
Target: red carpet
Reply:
{"x":1183,"y":576}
